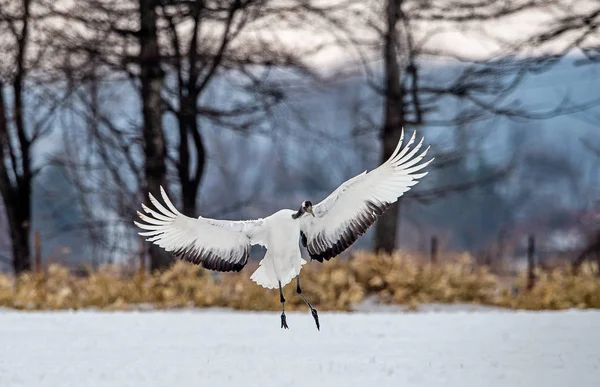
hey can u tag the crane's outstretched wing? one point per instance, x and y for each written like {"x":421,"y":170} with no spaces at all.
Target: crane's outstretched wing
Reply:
{"x":355,"y":205}
{"x":215,"y":244}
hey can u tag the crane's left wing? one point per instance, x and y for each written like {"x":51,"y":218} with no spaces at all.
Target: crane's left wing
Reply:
{"x":220,"y":245}
{"x":355,"y":205}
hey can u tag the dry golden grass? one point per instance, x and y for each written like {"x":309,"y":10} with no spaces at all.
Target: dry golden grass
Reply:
{"x":335,"y":285}
{"x":557,"y":289}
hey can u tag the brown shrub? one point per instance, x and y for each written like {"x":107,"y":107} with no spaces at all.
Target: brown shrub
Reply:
{"x":339,"y":284}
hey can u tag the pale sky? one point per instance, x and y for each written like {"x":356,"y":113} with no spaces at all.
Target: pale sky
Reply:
{"x":471,"y":40}
{"x":467,"y":39}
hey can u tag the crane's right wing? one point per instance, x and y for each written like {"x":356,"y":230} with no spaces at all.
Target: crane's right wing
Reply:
{"x":219,"y":245}
{"x":354,"y":206}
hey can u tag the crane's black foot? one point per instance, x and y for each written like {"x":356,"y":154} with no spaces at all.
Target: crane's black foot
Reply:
{"x":313,"y":311}
{"x":284,"y":322}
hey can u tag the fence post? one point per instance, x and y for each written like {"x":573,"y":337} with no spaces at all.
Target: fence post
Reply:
{"x":531,"y":263}
{"x":37,"y":260}
{"x":142,"y":259}
{"x":434,"y":250}
{"x":37,"y":267}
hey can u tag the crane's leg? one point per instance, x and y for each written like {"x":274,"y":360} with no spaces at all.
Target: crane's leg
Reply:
{"x":282,"y":300}
{"x":313,"y":311}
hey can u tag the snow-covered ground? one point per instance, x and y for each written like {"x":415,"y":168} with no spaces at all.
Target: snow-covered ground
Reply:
{"x":221,"y":348}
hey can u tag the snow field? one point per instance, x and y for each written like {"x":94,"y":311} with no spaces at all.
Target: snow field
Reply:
{"x":223,"y":348}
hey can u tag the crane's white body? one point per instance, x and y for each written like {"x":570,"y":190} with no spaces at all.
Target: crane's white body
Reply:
{"x":331,"y":226}
{"x":283,"y":260}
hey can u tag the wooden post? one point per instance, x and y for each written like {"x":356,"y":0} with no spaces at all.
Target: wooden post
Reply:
{"x":38,"y":253}
{"x":37,"y":267}
{"x":531,"y":263}
{"x":434,"y":250}
{"x":142,"y":259}
{"x":141,"y":276}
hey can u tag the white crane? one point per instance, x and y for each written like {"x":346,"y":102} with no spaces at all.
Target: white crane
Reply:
{"x":325,"y":229}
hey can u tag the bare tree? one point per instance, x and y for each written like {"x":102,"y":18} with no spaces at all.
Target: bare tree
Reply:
{"x":151,"y":79}
{"x":26,"y":112}
{"x":197,"y":58}
{"x":417,"y":99}
{"x":173,"y":53}
{"x":398,"y":34}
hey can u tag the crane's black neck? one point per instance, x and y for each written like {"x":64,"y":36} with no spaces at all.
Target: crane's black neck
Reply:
{"x":299,"y":213}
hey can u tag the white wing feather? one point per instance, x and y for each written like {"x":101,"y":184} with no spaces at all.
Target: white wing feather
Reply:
{"x":355,"y":205}
{"x":215,"y":244}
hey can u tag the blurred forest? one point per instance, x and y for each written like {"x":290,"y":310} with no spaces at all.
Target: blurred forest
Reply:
{"x":243,"y":107}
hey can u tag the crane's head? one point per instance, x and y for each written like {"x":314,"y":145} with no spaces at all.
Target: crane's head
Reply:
{"x":305,"y":208}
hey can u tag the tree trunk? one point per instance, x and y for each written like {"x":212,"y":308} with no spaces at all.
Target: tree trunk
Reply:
{"x":386,"y":228}
{"x":19,"y":222}
{"x":16,"y":192}
{"x":190,"y":180}
{"x":188,"y":122}
{"x":15,"y":158}
{"x":151,"y":76}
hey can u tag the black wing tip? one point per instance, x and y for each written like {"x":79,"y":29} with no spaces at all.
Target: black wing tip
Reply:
{"x":322,"y":256}
{"x":358,"y":227}
{"x":224,"y":267}
{"x":211,"y":261}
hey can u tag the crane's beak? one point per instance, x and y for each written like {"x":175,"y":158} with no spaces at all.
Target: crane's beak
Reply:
{"x":310,"y":210}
